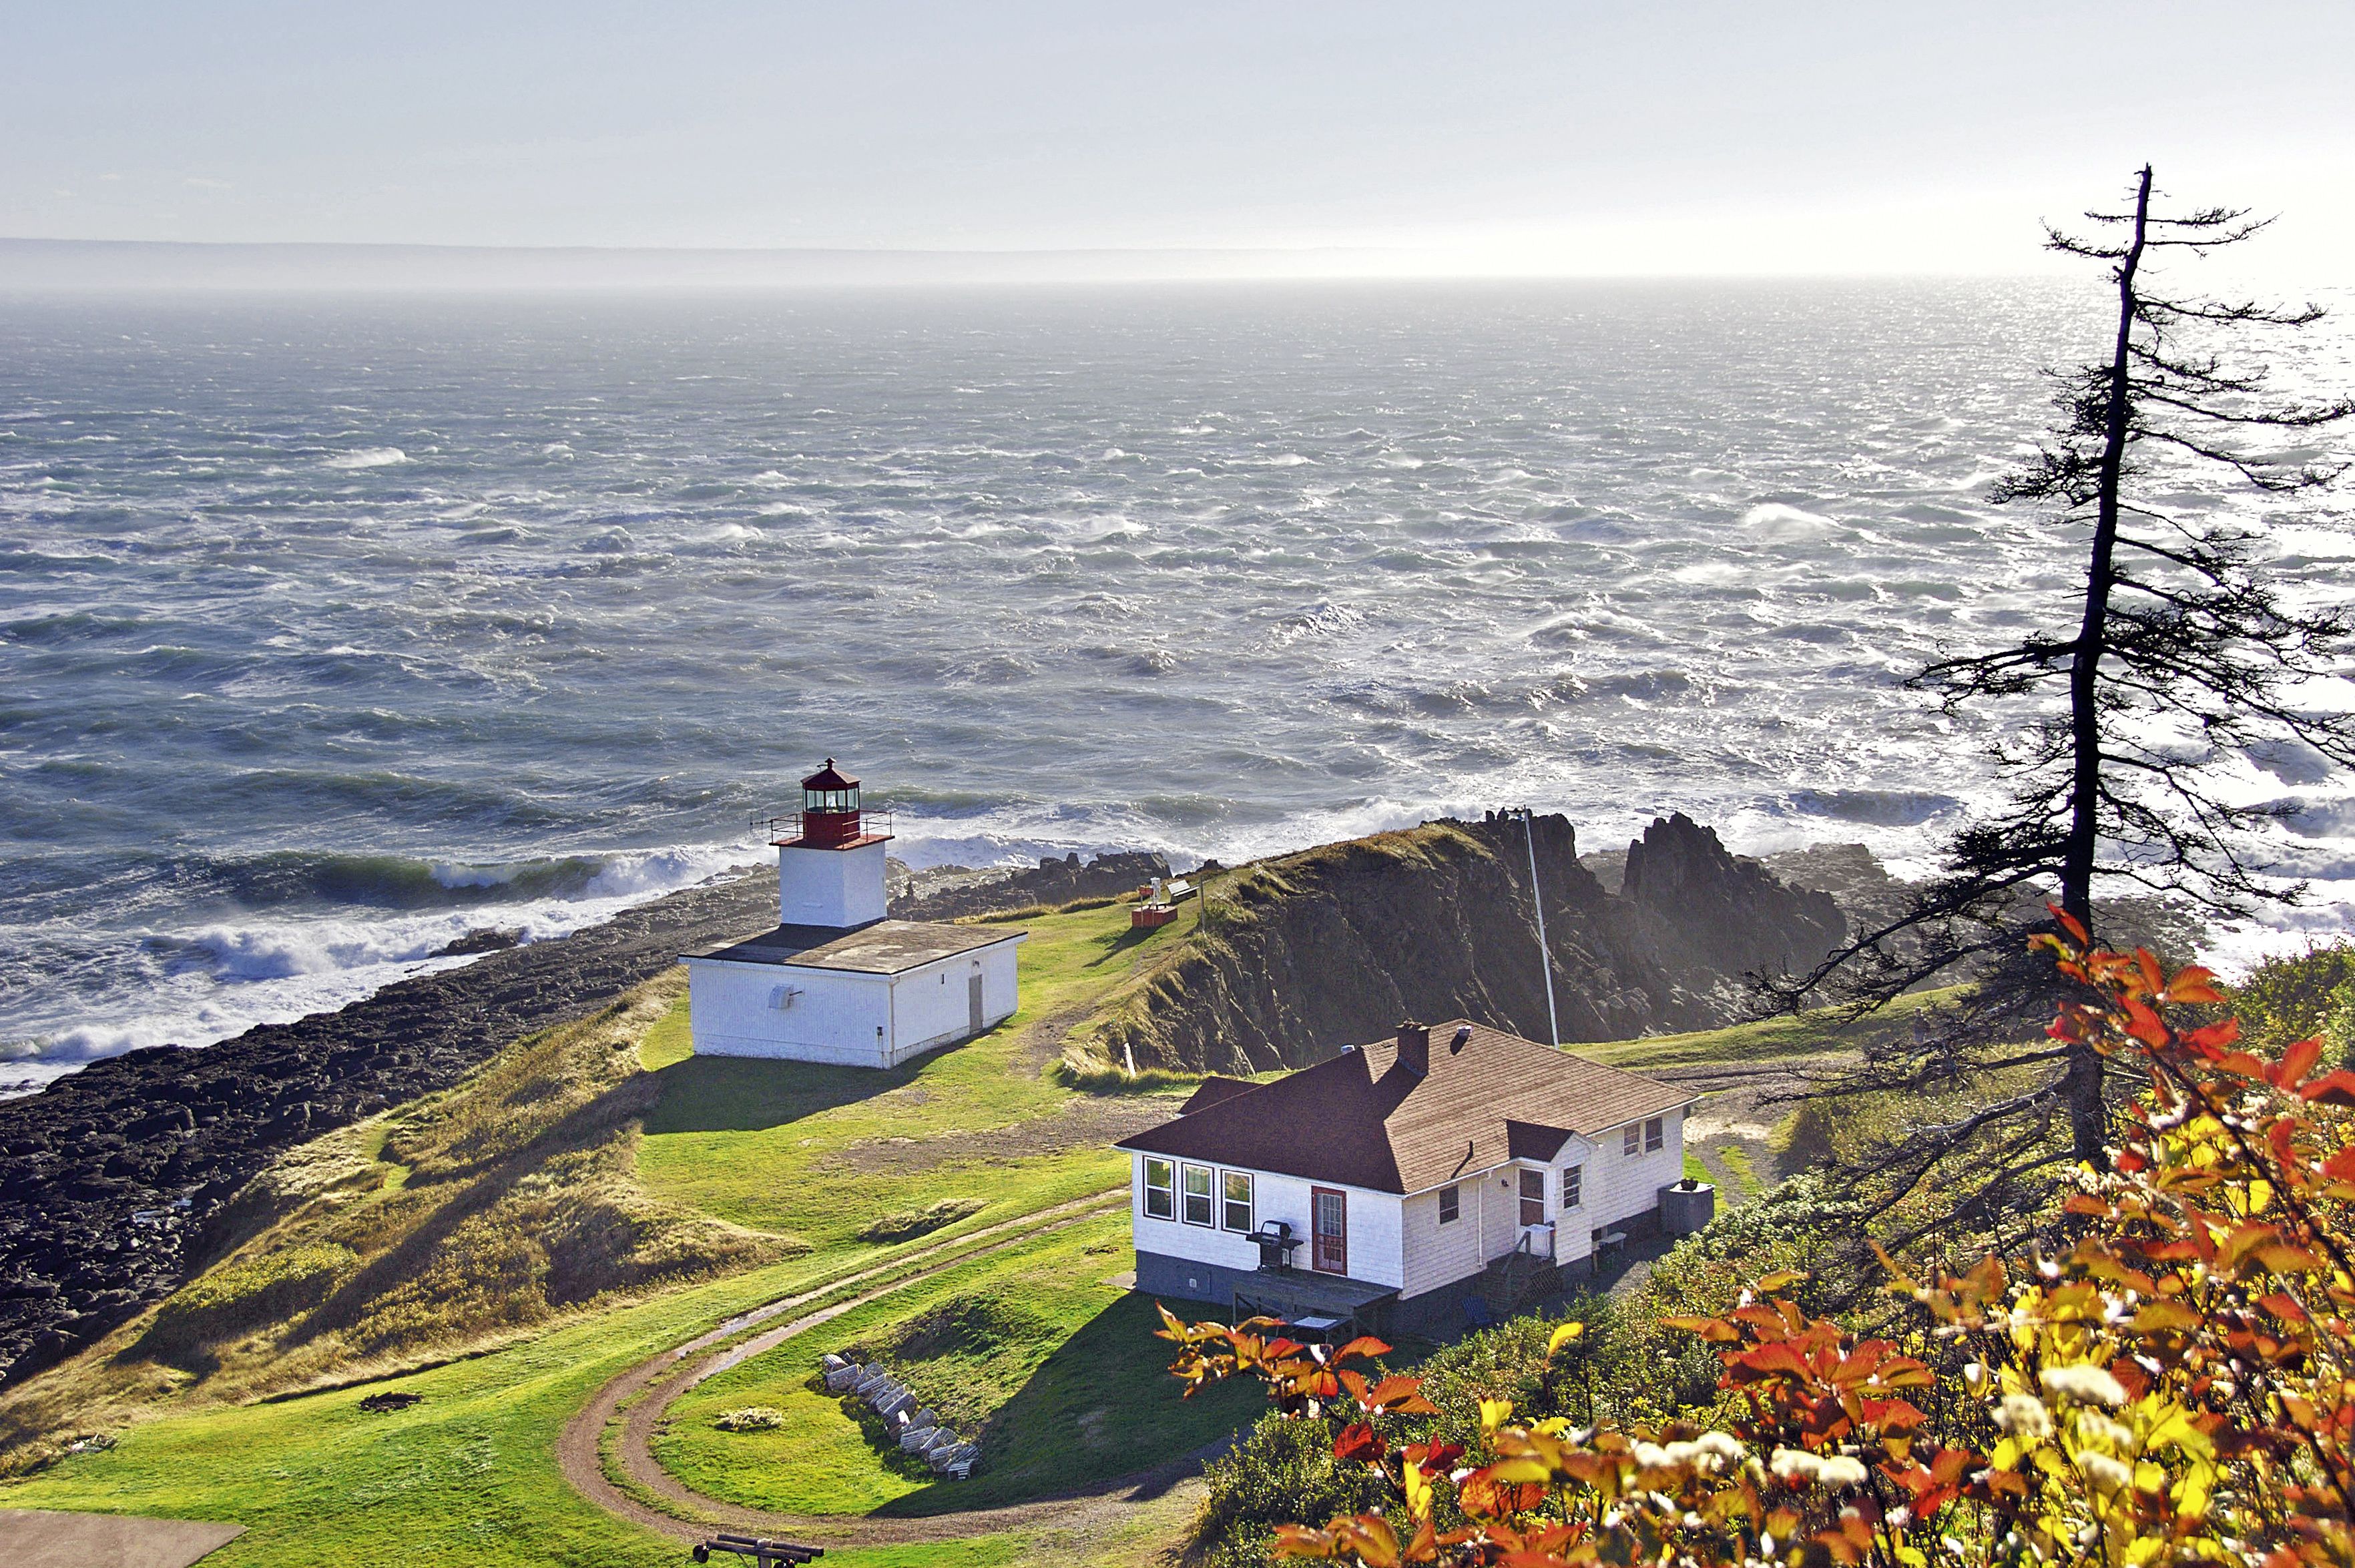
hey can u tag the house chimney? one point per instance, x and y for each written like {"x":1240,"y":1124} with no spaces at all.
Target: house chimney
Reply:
{"x":1414,"y":1048}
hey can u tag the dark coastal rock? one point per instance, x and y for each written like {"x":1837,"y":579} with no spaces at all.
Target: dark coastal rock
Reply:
{"x":109,"y":1177}
{"x":1051,"y":882}
{"x":483,"y":939}
{"x":1728,"y":915}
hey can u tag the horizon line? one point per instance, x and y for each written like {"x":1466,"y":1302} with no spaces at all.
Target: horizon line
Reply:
{"x":47,"y":264}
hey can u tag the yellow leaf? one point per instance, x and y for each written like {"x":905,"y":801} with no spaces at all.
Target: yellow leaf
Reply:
{"x":1563,"y":1336}
{"x":1418,"y":1491}
{"x":1495,"y":1413}
{"x":1519,"y":1470}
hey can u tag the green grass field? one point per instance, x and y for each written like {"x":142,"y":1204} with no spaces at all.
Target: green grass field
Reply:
{"x":1038,"y":1339}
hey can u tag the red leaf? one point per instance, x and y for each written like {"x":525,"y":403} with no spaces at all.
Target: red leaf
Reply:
{"x":2296,"y":1063}
{"x":2216,"y":1036}
{"x":2334,"y":1088}
{"x":1358,"y":1445}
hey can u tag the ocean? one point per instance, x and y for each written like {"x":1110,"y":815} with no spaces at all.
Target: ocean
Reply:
{"x":332,"y":628}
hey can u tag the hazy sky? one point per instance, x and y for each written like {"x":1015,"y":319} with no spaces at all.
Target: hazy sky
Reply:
{"x":1555,"y":137}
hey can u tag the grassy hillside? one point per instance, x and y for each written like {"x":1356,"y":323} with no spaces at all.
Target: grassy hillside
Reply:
{"x":457,"y":1221}
{"x":594,"y":1196}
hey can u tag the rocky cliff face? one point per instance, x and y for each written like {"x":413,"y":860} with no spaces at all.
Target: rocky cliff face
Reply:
{"x":1304,"y":953}
{"x":1051,"y":882}
{"x":1714,"y":917}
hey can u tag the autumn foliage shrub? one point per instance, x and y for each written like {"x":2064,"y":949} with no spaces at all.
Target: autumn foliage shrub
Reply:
{"x":2173,"y":1384}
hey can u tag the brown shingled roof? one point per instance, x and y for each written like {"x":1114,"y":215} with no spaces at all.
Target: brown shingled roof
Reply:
{"x":1212,"y":1089}
{"x":1362,"y":1120}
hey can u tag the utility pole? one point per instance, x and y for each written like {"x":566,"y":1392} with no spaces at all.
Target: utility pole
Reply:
{"x":1545,"y":954}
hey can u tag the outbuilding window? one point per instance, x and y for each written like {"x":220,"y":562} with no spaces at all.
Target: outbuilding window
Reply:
{"x":1160,"y":1190}
{"x":1573,"y":1186}
{"x":1533,"y":1197}
{"x":1655,"y":1134}
{"x":1632,"y":1140}
{"x":1450,"y":1205}
{"x":1238,"y":1205}
{"x":1198,"y":1195}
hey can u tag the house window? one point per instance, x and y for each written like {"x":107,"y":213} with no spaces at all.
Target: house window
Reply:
{"x":1655,"y":1134}
{"x":1238,"y":1185}
{"x":1450,"y":1205}
{"x":1533,"y":1197}
{"x":1632,"y":1140}
{"x":1198,"y":1195}
{"x":1573,"y":1185}
{"x":1160,"y":1190}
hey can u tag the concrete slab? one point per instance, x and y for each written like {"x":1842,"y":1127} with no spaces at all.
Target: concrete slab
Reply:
{"x":39,"y":1537}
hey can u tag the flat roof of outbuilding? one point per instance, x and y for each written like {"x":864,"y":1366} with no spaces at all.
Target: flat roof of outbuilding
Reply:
{"x":882,"y":947}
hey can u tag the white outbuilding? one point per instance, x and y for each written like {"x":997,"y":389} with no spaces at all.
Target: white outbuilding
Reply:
{"x":837,"y":981}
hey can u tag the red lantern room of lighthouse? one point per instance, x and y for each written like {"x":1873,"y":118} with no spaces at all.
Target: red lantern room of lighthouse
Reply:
{"x":830,"y":868}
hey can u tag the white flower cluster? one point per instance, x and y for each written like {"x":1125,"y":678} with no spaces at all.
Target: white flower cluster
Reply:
{"x":2085,"y":1385}
{"x":2023,"y":1415}
{"x":1796,"y":1467}
{"x":1710,"y":1454}
{"x":2104,"y":1474}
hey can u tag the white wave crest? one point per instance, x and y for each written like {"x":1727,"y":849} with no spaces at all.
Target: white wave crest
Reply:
{"x":1774,"y":520}
{"x":369,"y":457}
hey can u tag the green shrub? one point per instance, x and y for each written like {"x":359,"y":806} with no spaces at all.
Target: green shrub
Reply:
{"x":751,"y":1418}
{"x":910,"y":1223}
{"x":1509,"y":1361}
{"x":2300,"y":996}
{"x":1282,"y":1471}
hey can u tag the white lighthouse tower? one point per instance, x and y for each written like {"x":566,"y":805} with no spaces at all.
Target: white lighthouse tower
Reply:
{"x":839,"y":981}
{"x":830,"y":861}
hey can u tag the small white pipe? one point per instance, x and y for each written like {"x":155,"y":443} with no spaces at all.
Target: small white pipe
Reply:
{"x":1545,"y":955}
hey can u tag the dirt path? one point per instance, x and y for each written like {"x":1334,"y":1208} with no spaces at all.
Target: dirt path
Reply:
{"x":651,"y":1387}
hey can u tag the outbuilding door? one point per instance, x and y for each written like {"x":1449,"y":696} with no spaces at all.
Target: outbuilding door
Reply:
{"x":1329,"y":1219}
{"x":973,"y":1002}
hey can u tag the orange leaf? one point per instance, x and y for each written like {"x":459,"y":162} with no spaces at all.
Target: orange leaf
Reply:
{"x":1715,"y":1328}
{"x":2216,"y":1036}
{"x":2296,"y":1061}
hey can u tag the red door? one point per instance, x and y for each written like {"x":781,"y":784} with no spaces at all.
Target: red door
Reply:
{"x":1329,"y":1219}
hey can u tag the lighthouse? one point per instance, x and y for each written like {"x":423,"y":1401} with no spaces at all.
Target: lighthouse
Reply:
{"x":830,"y":858}
{"x":839,"y":981}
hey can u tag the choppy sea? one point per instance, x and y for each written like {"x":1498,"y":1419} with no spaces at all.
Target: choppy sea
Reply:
{"x":332,"y":628}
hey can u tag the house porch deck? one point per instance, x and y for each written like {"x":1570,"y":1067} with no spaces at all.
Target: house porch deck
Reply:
{"x":1291,"y":1294}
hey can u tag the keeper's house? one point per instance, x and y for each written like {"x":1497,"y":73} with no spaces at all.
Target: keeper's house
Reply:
{"x":836,"y":981}
{"x":1396,"y":1181}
